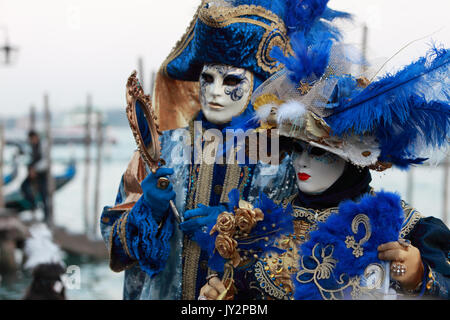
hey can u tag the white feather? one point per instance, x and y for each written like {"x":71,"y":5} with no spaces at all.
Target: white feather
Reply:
{"x":263,"y":112}
{"x":291,"y":111}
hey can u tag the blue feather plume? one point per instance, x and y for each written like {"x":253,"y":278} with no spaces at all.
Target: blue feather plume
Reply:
{"x":311,"y":35}
{"x":304,"y":15}
{"x":307,"y":61}
{"x":398,"y":108}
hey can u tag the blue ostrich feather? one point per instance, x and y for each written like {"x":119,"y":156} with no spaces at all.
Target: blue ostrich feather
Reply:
{"x":388,"y":100}
{"x":311,"y":35}
{"x":305,"y":15}
{"x":399,"y":109}
{"x":307,"y":60}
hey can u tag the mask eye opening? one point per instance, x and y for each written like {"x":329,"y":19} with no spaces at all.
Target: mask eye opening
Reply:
{"x":232,"y":80}
{"x":315,"y":151}
{"x":298,"y":148}
{"x":207,"y":78}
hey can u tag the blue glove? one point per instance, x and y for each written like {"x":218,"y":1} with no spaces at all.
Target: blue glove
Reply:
{"x":155,"y":198}
{"x":203,"y":216}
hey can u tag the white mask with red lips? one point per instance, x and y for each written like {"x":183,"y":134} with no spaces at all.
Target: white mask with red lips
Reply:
{"x":316,"y":169}
{"x":224,"y":92}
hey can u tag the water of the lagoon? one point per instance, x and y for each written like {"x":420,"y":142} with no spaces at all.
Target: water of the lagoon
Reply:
{"x":98,"y":282}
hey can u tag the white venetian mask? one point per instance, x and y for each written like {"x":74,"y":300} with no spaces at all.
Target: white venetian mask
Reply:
{"x":316,"y":169}
{"x":224,"y":92}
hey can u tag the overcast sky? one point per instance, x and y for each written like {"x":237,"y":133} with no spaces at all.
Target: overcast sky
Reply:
{"x":69,"y":48}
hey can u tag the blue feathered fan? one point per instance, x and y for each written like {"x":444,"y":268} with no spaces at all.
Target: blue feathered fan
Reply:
{"x":338,"y":254}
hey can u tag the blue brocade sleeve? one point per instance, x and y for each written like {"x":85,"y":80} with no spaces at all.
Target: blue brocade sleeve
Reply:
{"x":130,"y":237}
{"x":144,"y":245}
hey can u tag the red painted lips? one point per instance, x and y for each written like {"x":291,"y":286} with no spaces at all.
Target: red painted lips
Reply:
{"x":303,"y":176}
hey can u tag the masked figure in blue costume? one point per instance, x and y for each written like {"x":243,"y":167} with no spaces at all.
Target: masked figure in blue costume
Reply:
{"x":334,"y":128}
{"x":222,"y":58}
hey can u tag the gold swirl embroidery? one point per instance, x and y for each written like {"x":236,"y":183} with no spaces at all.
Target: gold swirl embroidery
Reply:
{"x":265,"y":282}
{"x":221,"y":17}
{"x":272,"y":38}
{"x":325,"y":265}
{"x":350,"y":241}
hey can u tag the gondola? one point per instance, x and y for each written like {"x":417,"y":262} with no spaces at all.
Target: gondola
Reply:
{"x":16,"y":201}
{"x":8,"y":178}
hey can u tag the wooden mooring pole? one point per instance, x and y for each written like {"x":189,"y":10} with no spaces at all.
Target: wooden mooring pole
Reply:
{"x":98,"y":169}
{"x":141,"y":71}
{"x":364,"y":43}
{"x":87,"y":164}
{"x":48,"y":156}
{"x":32,"y":125}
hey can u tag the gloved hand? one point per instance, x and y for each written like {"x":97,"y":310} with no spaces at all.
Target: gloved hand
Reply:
{"x":200,"y":217}
{"x":155,"y":198}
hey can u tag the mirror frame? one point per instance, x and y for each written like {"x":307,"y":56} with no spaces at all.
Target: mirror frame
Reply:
{"x":134,"y":93}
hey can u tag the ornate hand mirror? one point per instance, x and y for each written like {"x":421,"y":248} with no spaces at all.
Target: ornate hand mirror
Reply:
{"x":143,"y":124}
{"x":142,"y":120}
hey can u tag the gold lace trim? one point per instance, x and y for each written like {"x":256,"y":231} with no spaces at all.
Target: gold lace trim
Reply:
{"x":266,"y":283}
{"x":221,"y":17}
{"x":123,"y":238}
{"x":412,"y":216}
{"x":231,"y":181}
{"x":312,"y":215}
{"x":112,"y":262}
